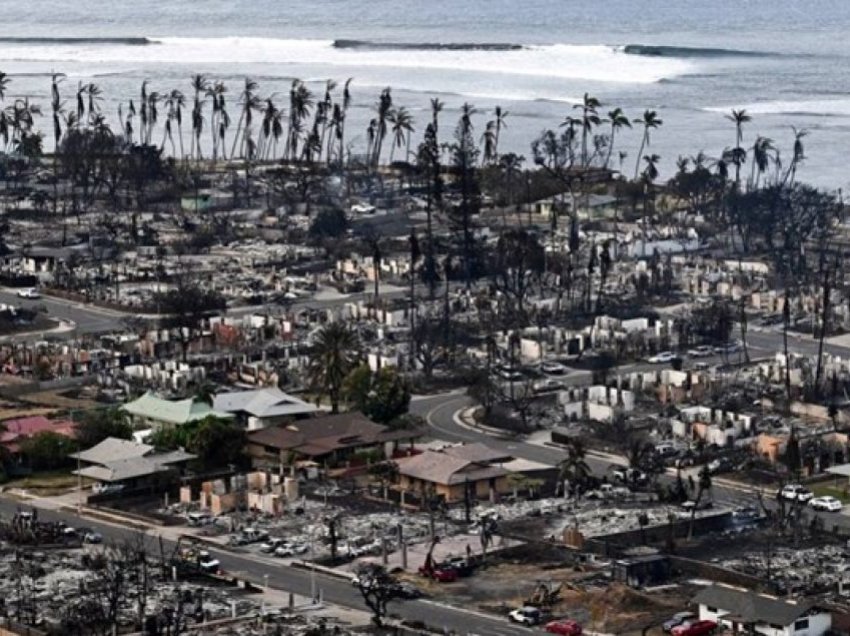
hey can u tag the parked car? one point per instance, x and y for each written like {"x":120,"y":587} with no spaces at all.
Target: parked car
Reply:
{"x":677,"y":619}
{"x":407,"y":591}
{"x":199,"y":518}
{"x":207,"y":562}
{"x":731,"y":347}
{"x":689,"y":506}
{"x":702,"y":351}
{"x":564,"y":626}
{"x":629,"y":476}
{"x":102,"y":488}
{"x":662,"y":358}
{"x":796,"y":492}
{"x":826,"y":503}
{"x":529,"y":616}
{"x":546,"y":385}
{"x":553,"y":368}
{"x":459,"y":564}
{"x":696,"y":628}
{"x":442,"y":575}
{"x":92,"y":537}
{"x":30,"y":292}
{"x":271,"y":545}
{"x":508,"y":373}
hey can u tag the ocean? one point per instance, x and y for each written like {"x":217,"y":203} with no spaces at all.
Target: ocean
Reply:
{"x":787,"y":62}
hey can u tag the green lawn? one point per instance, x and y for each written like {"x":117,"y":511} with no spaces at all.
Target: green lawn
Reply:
{"x":841,"y":490}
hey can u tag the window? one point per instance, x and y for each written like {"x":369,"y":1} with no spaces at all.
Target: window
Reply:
{"x":713,"y":610}
{"x":801,"y":624}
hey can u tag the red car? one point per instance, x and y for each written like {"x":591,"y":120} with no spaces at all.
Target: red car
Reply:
{"x":446,"y":575}
{"x":696,"y":628}
{"x":564,"y":627}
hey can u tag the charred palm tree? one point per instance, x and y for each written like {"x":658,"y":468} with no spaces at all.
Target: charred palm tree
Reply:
{"x":618,"y":120}
{"x":649,"y":121}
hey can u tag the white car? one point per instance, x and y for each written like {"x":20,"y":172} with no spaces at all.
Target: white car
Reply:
{"x":702,"y":351}
{"x":553,"y":368}
{"x":662,"y":358}
{"x":362,"y":208}
{"x":546,"y":385}
{"x":826,"y":503}
{"x":796,"y":492}
{"x":30,"y":292}
{"x":526,"y":616}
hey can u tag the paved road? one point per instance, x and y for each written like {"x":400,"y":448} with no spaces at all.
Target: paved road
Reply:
{"x":287,"y":578}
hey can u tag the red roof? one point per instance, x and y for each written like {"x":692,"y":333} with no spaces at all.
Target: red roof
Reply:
{"x":19,"y":429}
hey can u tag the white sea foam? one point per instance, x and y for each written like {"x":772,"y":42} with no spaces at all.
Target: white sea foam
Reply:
{"x":559,"y":61}
{"x":813,"y":107}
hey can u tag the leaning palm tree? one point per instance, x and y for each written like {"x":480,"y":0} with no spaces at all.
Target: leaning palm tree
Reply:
{"x":250,"y":103}
{"x":335,"y":353}
{"x":617,"y":118}
{"x":589,"y":118}
{"x":649,"y":121}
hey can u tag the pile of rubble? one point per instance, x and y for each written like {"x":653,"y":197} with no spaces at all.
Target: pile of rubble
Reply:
{"x":815,"y":568}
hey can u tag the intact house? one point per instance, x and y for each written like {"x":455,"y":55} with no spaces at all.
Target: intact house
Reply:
{"x":744,"y":611}
{"x":151,"y":411}
{"x":476,"y":471}
{"x":16,"y":431}
{"x":262,"y":408}
{"x":130,"y":464}
{"x":329,"y":439}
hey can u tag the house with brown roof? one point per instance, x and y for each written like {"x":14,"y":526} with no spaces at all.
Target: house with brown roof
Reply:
{"x":448,"y":472}
{"x":326,"y":438}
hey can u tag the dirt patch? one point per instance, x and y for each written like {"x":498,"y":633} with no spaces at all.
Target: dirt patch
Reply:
{"x":58,"y":400}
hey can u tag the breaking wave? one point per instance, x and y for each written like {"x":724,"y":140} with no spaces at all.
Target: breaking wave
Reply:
{"x":368,"y":45}
{"x":649,"y":50}
{"x":599,"y":63}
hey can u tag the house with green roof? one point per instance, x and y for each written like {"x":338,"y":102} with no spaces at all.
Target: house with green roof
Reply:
{"x":154,"y":412}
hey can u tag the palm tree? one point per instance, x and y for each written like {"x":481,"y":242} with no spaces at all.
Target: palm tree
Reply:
{"x":177,"y":101}
{"x":762,"y":150}
{"x":335,"y":353}
{"x":200,"y":84}
{"x":574,"y":468}
{"x":617,"y":118}
{"x":343,"y":112}
{"x":402,"y":129}
{"x":798,"y":156}
{"x":649,"y":121}
{"x":436,"y":109}
{"x":383,"y":108}
{"x":327,"y":108}
{"x":216,"y":94}
{"x":739,"y":118}
{"x":589,"y":118}
{"x":272,"y":128}
{"x":488,"y":140}
{"x":500,"y":123}
{"x":300,"y":101}
{"x":57,"y":107}
{"x":250,"y":103}
{"x":650,"y":172}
